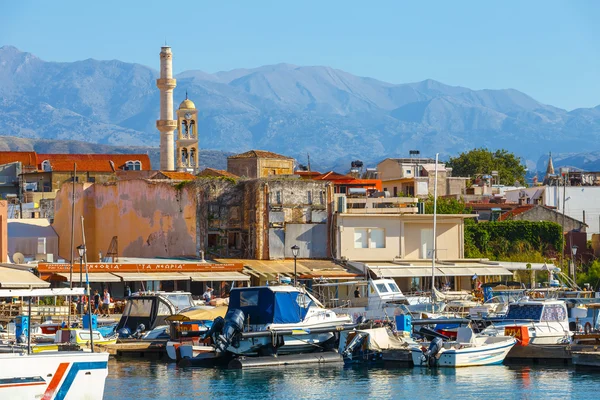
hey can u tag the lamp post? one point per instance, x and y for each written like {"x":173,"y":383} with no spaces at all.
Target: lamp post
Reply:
{"x":564,"y":172}
{"x":574,"y":252}
{"x":81,"y":250}
{"x":295,"y":251}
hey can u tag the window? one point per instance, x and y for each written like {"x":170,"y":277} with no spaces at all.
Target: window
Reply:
{"x":393,"y":287}
{"x":309,"y":197}
{"x":133,"y":165}
{"x":377,"y":239}
{"x":395,"y":191}
{"x":278,"y":197}
{"x":248,"y":298}
{"x":382,"y":288}
{"x":408,"y":172}
{"x":91,"y":179}
{"x":360,"y":238}
{"x":46,"y":165}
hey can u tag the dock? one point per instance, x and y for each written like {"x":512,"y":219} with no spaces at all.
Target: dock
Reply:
{"x":151,"y":349}
{"x":532,"y":353}
{"x":586,"y":359}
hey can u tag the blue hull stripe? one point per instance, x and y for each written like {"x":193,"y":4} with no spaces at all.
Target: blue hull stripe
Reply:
{"x":75,"y":368}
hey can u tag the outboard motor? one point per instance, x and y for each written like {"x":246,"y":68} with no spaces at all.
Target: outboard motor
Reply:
{"x":434,"y":348}
{"x":216,"y":327}
{"x":234,"y":323}
{"x":139,"y":331}
{"x":124,"y":332}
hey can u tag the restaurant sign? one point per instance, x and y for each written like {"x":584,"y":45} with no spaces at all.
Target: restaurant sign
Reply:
{"x":147,"y":267}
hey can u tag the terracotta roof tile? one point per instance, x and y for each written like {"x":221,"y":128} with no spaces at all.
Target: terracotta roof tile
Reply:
{"x":24,"y":157}
{"x":307,"y":174}
{"x":174,"y":175}
{"x":216,"y":172}
{"x":92,"y":162}
{"x":516,"y":211}
{"x":260,"y":154}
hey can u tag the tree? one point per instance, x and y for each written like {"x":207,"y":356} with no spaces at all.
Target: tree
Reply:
{"x":482,"y":162}
{"x":447,"y":206}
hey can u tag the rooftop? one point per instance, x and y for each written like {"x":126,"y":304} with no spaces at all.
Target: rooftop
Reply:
{"x":216,"y":172}
{"x":260,"y":154}
{"x":173,"y":175}
{"x":91,"y":162}
{"x":24,"y":157}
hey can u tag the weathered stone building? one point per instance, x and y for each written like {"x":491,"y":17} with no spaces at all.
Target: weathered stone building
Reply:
{"x":259,"y":164}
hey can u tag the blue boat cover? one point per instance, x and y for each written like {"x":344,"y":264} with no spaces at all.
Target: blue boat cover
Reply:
{"x":263,"y":306}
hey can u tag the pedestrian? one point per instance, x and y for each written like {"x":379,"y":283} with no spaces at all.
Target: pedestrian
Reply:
{"x":96,"y":302}
{"x":128,"y":291}
{"x":207,"y":296}
{"x":105,"y":303}
{"x":357,"y":292}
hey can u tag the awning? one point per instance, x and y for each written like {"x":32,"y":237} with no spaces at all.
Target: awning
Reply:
{"x":270,"y":269}
{"x":402,"y":272}
{"x":199,"y":314}
{"x":152,"y":276}
{"x":14,"y":278}
{"x":93,"y":277}
{"x":216,"y":276}
{"x":471,"y":271}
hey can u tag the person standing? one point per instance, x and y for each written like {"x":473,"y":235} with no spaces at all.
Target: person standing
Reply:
{"x":105,"y":303}
{"x":96,"y":302}
{"x":207,"y":296}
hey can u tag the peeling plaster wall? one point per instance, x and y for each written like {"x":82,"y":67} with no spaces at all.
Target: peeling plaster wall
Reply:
{"x":150,"y":219}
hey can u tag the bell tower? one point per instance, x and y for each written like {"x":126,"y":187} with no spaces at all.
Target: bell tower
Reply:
{"x":187,"y":137}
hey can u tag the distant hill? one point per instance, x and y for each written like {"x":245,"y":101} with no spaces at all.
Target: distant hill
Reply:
{"x":208,"y":158}
{"x":587,"y":161}
{"x":294,"y":110}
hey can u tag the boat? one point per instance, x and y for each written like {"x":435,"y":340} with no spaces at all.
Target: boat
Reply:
{"x":51,"y":374}
{"x":145,"y":314}
{"x":188,"y":330}
{"x":468,"y":350}
{"x":366,"y":346}
{"x":536,"y":322}
{"x":267,"y":320}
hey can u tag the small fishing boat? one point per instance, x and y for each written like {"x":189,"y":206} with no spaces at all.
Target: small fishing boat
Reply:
{"x":468,"y":350}
{"x":366,"y":346}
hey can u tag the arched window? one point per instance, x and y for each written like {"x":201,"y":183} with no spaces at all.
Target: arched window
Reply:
{"x":192,"y":129}
{"x":192,"y":157}
{"x":184,"y":156}
{"x":133,"y":165}
{"x":137,"y":165}
{"x":184,"y":129}
{"x":46,"y":165}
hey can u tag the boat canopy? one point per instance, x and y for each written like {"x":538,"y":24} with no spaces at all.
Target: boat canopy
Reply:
{"x":264,"y":306}
{"x":198,"y":314}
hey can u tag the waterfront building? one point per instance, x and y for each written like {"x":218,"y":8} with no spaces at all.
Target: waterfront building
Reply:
{"x":415,"y":177}
{"x":343,"y":183}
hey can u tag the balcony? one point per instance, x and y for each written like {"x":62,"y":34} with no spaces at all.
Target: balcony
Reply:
{"x":389,"y":205}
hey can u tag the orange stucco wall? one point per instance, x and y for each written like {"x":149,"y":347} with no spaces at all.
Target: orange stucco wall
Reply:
{"x":150,"y":219}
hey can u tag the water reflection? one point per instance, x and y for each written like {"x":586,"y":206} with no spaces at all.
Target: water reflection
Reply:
{"x":156,"y":380}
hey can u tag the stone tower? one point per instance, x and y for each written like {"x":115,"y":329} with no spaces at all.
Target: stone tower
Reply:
{"x":166,"y":125}
{"x":187,"y":137}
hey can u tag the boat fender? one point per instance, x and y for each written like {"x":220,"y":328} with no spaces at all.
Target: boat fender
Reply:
{"x":587,"y":328}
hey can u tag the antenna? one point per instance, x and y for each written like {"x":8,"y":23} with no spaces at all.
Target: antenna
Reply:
{"x":186,"y":94}
{"x":308,"y":155}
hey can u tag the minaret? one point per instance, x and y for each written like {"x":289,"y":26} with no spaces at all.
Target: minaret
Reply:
{"x":166,"y":124}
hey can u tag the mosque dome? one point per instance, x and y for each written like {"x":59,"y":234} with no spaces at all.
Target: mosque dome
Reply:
{"x":188,"y":104}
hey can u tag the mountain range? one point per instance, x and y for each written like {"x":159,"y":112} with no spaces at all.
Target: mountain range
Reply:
{"x":330,"y":114}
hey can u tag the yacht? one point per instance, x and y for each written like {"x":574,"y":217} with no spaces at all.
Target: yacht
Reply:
{"x":282,"y":319}
{"x":546,"y":322}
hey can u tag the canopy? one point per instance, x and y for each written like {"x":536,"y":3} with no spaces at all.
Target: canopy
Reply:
{"x":151,"y":276}
{"x":264,"y":306}
{"x":402,"y":272}
{"x":200,"y":314}
{"x":42,"y":292}
{"x":472,"y":271}
{"x":92,"y":277}
{"x":216,"y":276}
{"x":11,"y":278}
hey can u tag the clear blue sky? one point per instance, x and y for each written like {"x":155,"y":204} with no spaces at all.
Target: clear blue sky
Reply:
{"x":547,"y":49}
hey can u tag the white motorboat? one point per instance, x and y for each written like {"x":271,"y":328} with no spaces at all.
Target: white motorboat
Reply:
{"x":546,"y":322}
{"x":282,"y":319}
{"x":469,"y":349}
{"x":53,"y":375}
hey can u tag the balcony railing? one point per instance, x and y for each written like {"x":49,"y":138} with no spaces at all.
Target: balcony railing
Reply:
{"x":389,"y":205}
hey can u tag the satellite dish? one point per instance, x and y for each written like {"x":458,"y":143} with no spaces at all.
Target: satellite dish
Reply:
{"x":18,"y":258}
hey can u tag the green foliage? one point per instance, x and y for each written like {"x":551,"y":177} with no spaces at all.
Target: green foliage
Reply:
{"x":447,"y":206}
{"x":591,"y":275}
{"x":522,"y":241}
{"x":181,"y":185}
{"x":482,"y":161}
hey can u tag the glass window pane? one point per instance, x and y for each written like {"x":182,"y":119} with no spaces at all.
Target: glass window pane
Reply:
{"x":377,"y":239}
{"x":360,"y":238}
{"x":248,"y":298}
{"x":382,"y":288}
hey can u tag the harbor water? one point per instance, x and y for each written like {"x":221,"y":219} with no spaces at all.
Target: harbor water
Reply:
{"x":157,"y":380}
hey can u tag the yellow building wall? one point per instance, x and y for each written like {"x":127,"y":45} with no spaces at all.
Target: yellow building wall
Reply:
{"x":272,"y":166}
{"x":392,"y":230}
{"x":449,"y":239}
{"x":150,"y":219}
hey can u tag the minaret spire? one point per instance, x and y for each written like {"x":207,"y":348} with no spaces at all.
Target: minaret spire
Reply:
{"x":166,"y":125}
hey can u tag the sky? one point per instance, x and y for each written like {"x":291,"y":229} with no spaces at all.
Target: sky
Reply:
{"x":548,"y":49}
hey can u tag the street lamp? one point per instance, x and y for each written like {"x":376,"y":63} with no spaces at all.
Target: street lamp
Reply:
{"x":574,"y":252}
{"x":295,"y":251}
{"x":81,"y":250}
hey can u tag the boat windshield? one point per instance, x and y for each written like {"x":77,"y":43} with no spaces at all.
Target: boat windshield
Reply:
{"x":382,"y":288}
{"x":139,"y":307}
{"x":394,"y":287}
{"x":525,"y":311}
{"x":181,"y":301}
